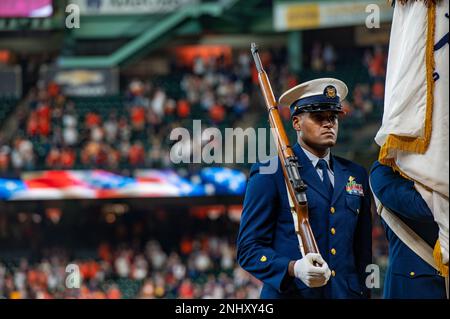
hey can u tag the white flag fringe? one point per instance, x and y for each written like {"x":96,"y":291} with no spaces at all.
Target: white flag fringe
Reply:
{"x":414,"y":136}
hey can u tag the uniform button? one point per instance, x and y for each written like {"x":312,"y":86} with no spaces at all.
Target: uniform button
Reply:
{"x":263,"y":259}
{"x":332,"y":210}
{"x":333,"y":273}
{"x":333,"y":231}
{"x":333,"y":251}
{"x":357,"y":210}
{"x":412,"y":273}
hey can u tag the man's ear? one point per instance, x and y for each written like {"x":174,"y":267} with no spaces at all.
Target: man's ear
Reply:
{"x":296,"y":123}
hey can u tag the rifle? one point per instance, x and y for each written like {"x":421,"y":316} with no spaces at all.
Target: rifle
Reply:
{"x":295,"y":185}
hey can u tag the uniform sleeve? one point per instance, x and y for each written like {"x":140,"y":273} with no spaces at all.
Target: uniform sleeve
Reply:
{"x":363,"y":236}
{"x":258,"y":222}
{"x":398,"y":194}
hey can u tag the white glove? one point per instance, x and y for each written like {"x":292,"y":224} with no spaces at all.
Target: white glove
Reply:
{"x":309,"y":274}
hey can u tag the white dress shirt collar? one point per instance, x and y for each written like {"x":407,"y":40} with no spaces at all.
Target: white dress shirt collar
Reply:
{"x":315,"y":159}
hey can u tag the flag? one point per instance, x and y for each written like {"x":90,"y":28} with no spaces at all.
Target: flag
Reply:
{"x":414,"y":136}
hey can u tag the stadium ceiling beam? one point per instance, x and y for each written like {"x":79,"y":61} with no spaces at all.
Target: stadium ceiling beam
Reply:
{"x":143,"y":41}
{"x":262,"y":24}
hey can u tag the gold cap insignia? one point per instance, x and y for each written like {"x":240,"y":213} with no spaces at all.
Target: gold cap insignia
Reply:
{"x":330,"y":92}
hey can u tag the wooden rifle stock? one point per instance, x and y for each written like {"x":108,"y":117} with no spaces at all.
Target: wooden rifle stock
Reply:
{"x":295,"y":185}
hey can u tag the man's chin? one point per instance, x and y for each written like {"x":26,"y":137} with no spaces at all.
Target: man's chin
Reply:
{"x":328,"y":143}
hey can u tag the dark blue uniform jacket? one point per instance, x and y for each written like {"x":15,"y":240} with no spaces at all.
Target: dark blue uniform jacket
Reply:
{"x":341,"y":226}
{"x":408,"y":275}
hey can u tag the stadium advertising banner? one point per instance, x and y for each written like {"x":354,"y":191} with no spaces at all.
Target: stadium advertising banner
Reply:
{"x":313,"y":15}
{"x":83,"y":82}
{"x":100,"y":7}
{"x":25,"y":8}
{"x":100,"y":184}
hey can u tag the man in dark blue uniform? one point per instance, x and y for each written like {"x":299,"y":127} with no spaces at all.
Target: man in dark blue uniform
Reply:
{"x":338,"y":201}
{"x":408,"y":275}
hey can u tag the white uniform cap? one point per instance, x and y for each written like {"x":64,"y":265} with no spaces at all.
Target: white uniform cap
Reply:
{"x":312,"y":94}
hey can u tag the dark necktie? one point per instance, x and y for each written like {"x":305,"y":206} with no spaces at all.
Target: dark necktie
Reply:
{"x":322,"y":164}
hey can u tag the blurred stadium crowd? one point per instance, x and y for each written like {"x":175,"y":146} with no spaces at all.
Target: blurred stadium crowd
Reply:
{"x":132,"y":131}
{"x":157,"y":254}
{"x":198,"y":269}
{"x":123,"y":132}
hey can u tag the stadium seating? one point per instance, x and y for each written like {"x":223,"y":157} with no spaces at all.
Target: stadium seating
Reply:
{"x":7,"y":105}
